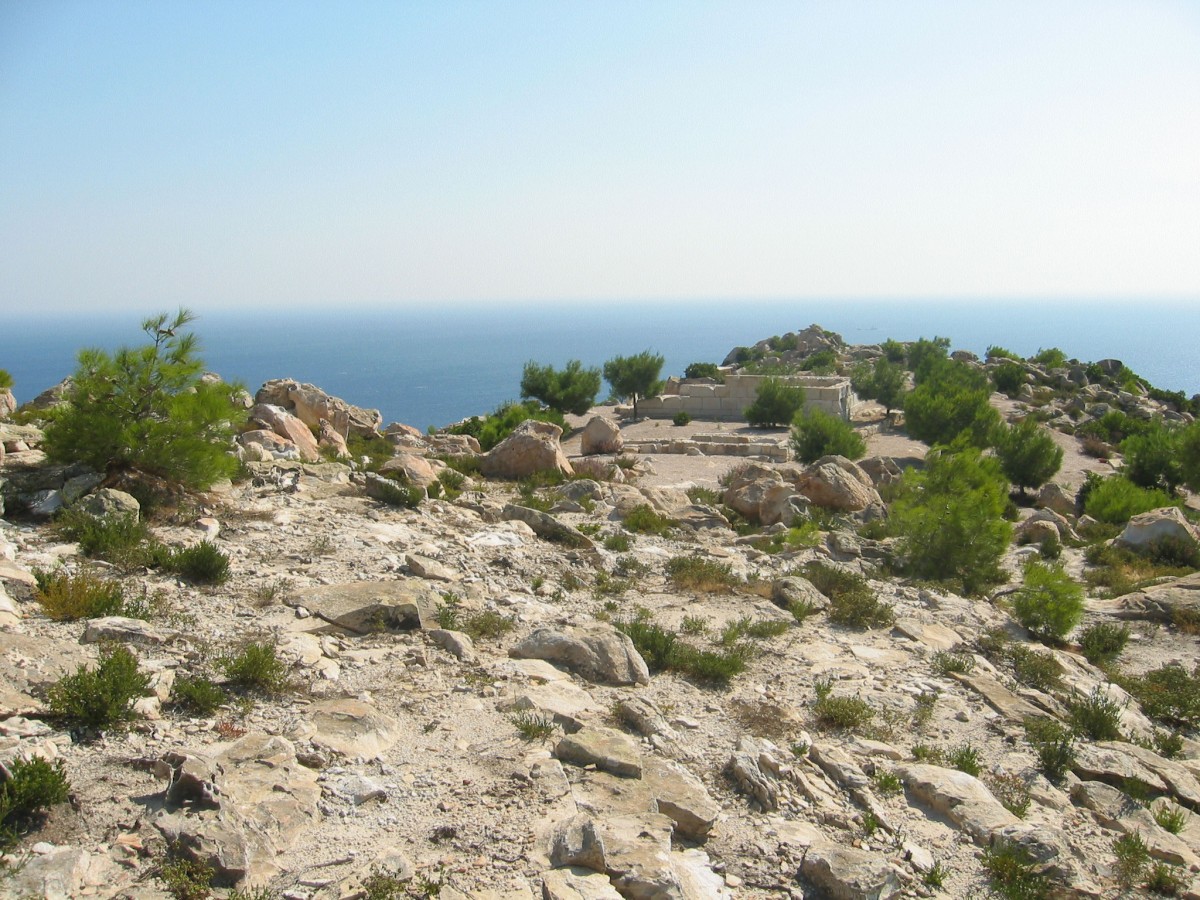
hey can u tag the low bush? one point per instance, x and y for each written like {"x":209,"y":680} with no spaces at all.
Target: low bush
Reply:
{"x":703,"y":370}
{"x":393,"y":493}
{"x":186,"y":879}
{"x":1166,"y":879}
{"x":84,"y":595}
{"x":1169,"y":694}
{"x":255,"y":668}
{"x":1051,"y":358}
{"x":965,"y":758}
{"x":1008,"y":378}
{"x":860,"y":609}
{"x":839,"y":713}
{"x":1104,"y":642}
{"x":1132,"y":856}
{"x":1120,"y":570}
{"x":498,"y":425}
{"x":1049,"y":603}
{"x":816,"y":433}
{"x":31,"y":788}
{"x":746,"y":627}
{"x":1054,"y":745}
{"x":533,"y":726}
{"x":101,"y":697}
{"x":1012,"y":873}
{"x":202,"y":563}
{"x":617,"y":543}
{"x":697,"y":573}
{"x":1036,"y":669}
{"x":1097,"y":716}
{"x":1116,"y":500}
{"x":1169,"y":816}
{"x":644,"y":519}
{"x":681,"y":418}
{"x":775,"y":403}
{"x":116,"y":538}
{"x":196,"y":695}
{"x":1011,"y":790}
{"x":663,"y":651}
{"x":946,"y":663}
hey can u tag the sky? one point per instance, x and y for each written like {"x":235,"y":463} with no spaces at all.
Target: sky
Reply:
{"x":284,"y":155}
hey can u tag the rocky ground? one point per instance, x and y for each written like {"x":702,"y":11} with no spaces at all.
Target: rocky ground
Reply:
{"x":542,"y":758}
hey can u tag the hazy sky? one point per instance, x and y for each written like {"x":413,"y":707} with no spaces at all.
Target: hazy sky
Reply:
{"x":227,"y":154}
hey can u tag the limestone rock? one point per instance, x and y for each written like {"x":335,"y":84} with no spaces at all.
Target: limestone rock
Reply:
{"x":352,"y":728}
{"x":1150,"y":527}
{"x":532,"y":447}
{"x":454,"y":642}
{"x":960,"y":797}
{"x":794,"y":589}
{"x":761,"y":494}
{"x":834,"y":482}
{"x":411,"y":469}
{"x":126,"y":630}
{"x":429,"y":569}
{"x":598,"y":652}
{"x":577,"y":883}
{"x":682,"y":797}
{"x":281,"y":422}
{"x":329,"y":438}
{"x":367,"y":606}
{"x":311,"y":405}
{"x":843,"y":873}
{"x":546,"y":526}
{"x":606,"y":749}
{"x":601,"y":435}
{"x":1053,"y":496}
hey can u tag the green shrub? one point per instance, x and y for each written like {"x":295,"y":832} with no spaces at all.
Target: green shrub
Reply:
{"x":745,"y":627}
{"x":486,"y":625}
{"x":533,"y":726}
{"x":1116,"y":500}
{"x":816,"y":433}
{"x":703,"y":370}
{"x":681,"y":418}
{"x":634,"y":377}
{"x":775,"y":403}
{"x":33,"y":786}
{"x":643,"y":519}
{"x":1153,"y":459}
{"x":995,"y":352}
{"x":572,"y":390}
{"x":6,"y":380}
{"x":202,"y":563}
{"x":1169,"y":693}
{"x":84,"y":595}
{"x":1054,"y":745}
{"x":1104,"y":642}
{"x":1013,"y":874}
{"x":101,"y":697}
{"x":255,"y":668}
{"x":662,"y":650}
{"x":841,"y":713}
{"x":1165,"y":879}
{"x":1051,"y":358}
{"x":1169,"y":816}
{"x":1008,"y":378}
{"x":965,"y":758}
{"x":1049,"y":602}
{"x":946,"y":663}
{"x":1011,"y":790}
{"x":1038,"y":670}
{"x":1132,"y":858}
{"x":1028,"y":455}
{"x":186,"y":879}
{"x":924,"y":355}
{"x":118,"y":538}
{"x":696,"y":573}
{"x":1189,"y":456}
{"x":952,"y":400}
{"x":148,"y":411}
{"x":888,"y":783}
{"x":860,"y":609}
{"x":196,"y":695}
{"x":1097,"y":716}
{"x":393,"y":493}
{"x":653,"y":642}
{"x":617,"y":543}
{"x":950,"y":518}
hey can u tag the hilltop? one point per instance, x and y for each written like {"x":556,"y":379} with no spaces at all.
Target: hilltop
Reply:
{"x":634,"y":659}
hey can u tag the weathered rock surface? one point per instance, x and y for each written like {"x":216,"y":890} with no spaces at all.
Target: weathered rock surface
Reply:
{"x":532,"y":447}
{"x":601,"y":435}
{"x":597,"y":652}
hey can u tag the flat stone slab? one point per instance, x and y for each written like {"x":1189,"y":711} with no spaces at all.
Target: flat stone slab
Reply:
{"x":960,"y":797}
{"x":843,"y":873}
{"x":606,"y":749}
{"x":352,"y":728}
{"x":364,"y":607}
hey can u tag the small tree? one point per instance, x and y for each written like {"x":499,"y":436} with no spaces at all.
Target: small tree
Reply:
{"x":883,"y":382}
{"x":703,"y":370}
{"x":1189,"y":456}
{"x":1028,"y":455}
{"x":950,"y":400}
{"x":148,"y":411}
{"x":775,"y":403}
{"x":950,"y":517}
{"x":6,"y":380}
{"x":573,"y":390}
{"x":1049,"y":603}
{"x":816,"y":433}
{"x":1153,"y":459}
{"x":924,"y":355}
{"x":634,"y":377}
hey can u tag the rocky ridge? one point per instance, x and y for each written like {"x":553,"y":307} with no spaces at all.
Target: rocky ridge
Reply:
{"x":541,"y":756}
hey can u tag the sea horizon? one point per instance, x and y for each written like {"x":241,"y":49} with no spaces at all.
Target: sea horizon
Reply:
{"x":434,"y":367}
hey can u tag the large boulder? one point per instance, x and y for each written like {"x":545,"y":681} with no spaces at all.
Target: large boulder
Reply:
{"x":844,"y":873}
{"x":278,"y":420}
{"x":1149,"y":528}
{"x":597,"y":652}
{"x":312,"y":405}
{"x":762,"y":494}
{"x":8,"y":403}
{"x":110,"y":502}
{"x":834,"y":482}
{"x":601,"y":435}
{"x":532,"y":447}
{"x":411,"y":469}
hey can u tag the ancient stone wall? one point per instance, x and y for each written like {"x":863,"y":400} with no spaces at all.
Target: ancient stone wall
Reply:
{"x":705,"y":399}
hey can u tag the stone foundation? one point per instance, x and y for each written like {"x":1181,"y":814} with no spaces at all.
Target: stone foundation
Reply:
{"x":705,"y":399}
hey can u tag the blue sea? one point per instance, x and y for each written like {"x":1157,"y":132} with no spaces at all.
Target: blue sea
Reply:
{"x":433,"y":367}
